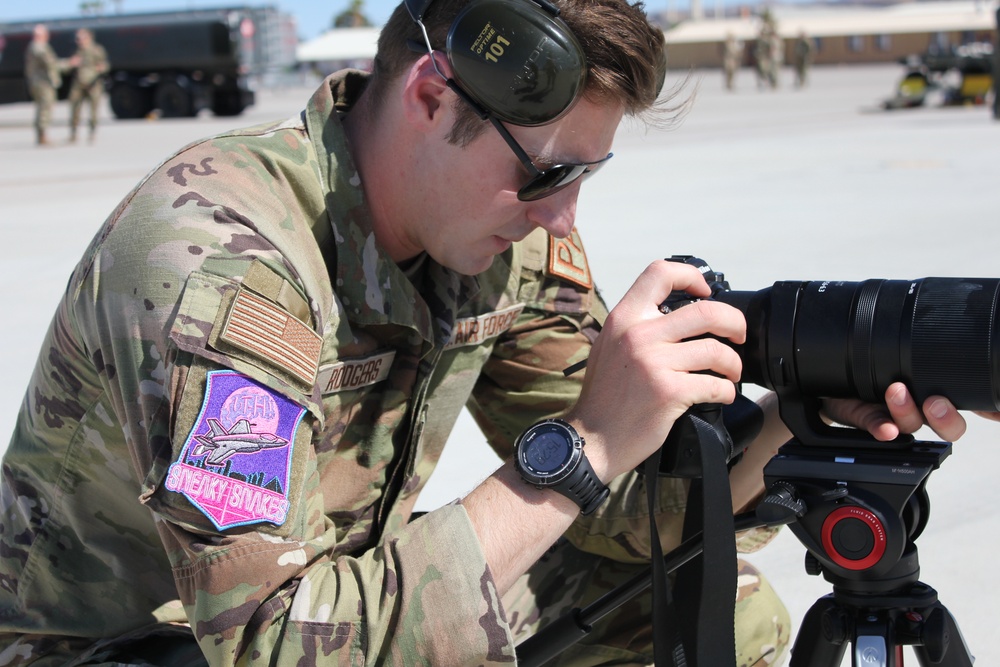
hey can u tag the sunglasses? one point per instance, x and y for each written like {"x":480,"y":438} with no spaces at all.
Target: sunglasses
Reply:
{"x":543,"y":182}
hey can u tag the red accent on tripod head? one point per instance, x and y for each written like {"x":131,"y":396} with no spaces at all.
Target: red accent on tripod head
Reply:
{"x":854,"y":538}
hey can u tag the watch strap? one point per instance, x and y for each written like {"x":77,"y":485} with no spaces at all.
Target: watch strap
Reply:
{"x":584,"y":487}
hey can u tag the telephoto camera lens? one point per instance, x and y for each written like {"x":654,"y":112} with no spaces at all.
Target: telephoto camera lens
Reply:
{"x":853,"y":339}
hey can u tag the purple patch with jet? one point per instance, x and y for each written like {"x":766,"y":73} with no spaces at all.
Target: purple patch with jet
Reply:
{"x":235,"y":465}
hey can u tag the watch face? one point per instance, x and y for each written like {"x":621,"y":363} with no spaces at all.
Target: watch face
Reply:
{"x":547,"y":450}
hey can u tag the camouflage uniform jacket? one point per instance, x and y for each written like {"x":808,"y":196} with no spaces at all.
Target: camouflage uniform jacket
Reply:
{"x":93,"y":64}
{"x":240,"y":398}
{"x":41,"y":65}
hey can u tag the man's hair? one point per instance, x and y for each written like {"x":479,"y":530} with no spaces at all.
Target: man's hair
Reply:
{"x":626,"y":55}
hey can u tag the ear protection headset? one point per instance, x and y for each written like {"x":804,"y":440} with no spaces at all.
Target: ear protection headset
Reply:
{"x":512,"y":59}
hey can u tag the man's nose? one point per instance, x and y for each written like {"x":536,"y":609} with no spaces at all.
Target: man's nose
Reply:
{"x":556,"y":213}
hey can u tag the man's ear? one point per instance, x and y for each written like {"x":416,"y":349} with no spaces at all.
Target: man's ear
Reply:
{"x":426,"y":96}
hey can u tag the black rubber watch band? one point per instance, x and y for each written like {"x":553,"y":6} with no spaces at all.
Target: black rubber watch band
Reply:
{"x":584,"y":487}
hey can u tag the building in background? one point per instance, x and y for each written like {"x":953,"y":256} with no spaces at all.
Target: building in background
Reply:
{"x":842,"y":34}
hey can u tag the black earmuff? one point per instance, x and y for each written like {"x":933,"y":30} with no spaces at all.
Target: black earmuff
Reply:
{"x":515,"y":58}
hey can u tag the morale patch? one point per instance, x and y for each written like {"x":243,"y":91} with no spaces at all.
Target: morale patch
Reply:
{"x":355,"y":373}
{"x":266,"y":330}
{"x":475,"y":330}
{"x":235,"y":464}
{"x":568,"y":261}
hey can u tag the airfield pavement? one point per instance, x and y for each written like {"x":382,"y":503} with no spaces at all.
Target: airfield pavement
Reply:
{"x":790,"y":184}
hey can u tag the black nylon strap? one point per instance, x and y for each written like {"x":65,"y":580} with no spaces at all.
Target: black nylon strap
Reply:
{"x":704,"y":635}
{"x":668,"y":645}
{"x":707,"y":585}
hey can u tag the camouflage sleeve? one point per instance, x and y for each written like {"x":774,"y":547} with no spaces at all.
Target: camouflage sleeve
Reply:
{"x":262,"y":580}
{"x":524,"y":382}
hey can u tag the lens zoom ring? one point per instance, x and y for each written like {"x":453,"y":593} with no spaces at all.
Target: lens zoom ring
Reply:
{"x":953,"y":324}
{"x":862,"y":363}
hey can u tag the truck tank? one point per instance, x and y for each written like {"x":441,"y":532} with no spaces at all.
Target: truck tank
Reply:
{"x":176,"y":63}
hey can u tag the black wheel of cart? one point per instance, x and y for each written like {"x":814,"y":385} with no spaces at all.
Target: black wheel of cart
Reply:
{"x":129,"y":100}
{"x":173,"y":100}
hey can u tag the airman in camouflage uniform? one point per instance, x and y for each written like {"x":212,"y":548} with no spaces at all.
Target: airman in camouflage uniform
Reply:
{"x":246,"y":385}
{"x":364,"y":383}
{"x":43,"y":72}
{"x":91,"y":63}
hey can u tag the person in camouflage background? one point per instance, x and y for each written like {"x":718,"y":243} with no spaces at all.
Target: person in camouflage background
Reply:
{"x":43,"y":73}
{"x":258,"y":360}
{"x":91,"y":63}
{"x":732,"y":59}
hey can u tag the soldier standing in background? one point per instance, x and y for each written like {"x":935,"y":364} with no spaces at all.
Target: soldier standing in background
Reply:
{"x":802,"y":55}
{"x":43,"y":72}
{"x":777,"y":55}
{"x":91,"y":63}
{"x":764,"y":53}
{"x":732,"y":58}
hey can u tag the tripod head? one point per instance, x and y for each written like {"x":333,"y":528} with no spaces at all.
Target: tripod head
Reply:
{"x":858,"y":512}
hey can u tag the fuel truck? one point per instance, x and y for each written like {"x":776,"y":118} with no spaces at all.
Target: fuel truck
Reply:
{"x":173,"y":63}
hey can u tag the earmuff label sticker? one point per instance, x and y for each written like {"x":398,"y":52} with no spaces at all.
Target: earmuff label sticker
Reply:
{"x":568,"y":261}
{"x":481,"y":46}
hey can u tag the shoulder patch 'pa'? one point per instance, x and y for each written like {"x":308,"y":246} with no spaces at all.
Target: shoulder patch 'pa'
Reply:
{"x":568,"y":261}
{"x":235,"y":464}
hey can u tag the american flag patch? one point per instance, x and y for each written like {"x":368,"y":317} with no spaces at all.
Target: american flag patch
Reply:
{"x":266,"y":330}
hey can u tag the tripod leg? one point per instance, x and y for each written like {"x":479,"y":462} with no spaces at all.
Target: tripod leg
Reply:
{"x":822,"y":638}
{"x":942,"y":642}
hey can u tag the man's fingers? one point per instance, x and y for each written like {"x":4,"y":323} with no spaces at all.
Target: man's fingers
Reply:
{"x":866,"y":416}
{"x":903,"y":409}
{"x":706,"y":317}
{"x":937,"y":412}
{"x":655,"y":284}
{"x":899,"y":415}
{"x":943,"y":418}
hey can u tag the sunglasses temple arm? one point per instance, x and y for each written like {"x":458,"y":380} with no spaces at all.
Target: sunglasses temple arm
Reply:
{"x":507,"y":136}
{"x":514,"y":146}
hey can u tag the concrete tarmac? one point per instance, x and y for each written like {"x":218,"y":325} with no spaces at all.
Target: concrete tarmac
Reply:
{"x":811,"y":184}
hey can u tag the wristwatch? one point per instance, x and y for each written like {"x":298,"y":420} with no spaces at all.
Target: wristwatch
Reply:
{"x":549,"y":455}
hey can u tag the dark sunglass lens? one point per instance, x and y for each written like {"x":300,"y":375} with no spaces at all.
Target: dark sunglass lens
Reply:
{"x":551,"y":181}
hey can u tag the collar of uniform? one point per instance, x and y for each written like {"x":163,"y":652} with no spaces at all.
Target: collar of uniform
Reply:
{"x":371,"y":287}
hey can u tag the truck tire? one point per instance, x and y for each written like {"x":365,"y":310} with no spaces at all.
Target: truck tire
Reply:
{"x":227,"y":102}
{"x":129,"y":100}
{"x":173,"y":100}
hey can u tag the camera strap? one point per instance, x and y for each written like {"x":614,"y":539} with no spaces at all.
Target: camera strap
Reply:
{"x":704,"y":635}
